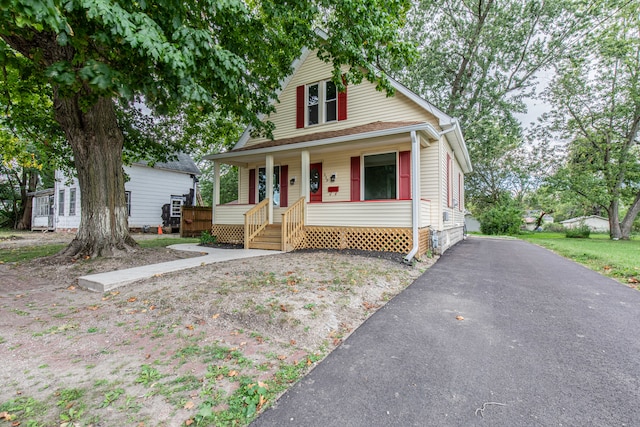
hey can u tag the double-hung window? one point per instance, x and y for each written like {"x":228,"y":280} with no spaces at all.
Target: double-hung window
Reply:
{"x":72,"y":201}
{"x":319,"y":103}
{"x":61,"y":202}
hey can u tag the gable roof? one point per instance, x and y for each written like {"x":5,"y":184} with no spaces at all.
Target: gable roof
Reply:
{"x":183,"y":163}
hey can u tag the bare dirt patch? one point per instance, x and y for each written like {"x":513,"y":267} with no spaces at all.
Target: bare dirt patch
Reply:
{"x":208,"y":346}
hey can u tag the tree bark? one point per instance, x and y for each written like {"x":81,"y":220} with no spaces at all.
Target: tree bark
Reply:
{"x":627,"y":223}
{"x":97,"y":144}
{"x":30,"y":185}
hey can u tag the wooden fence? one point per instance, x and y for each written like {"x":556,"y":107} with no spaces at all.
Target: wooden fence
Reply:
{"x":195,"y":220}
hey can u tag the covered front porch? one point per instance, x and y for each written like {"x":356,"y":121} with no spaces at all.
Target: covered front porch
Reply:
{"x":361,"y":193}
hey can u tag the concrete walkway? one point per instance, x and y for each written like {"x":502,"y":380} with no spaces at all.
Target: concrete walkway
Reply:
{"x":543,"y":342}
{"x":103,"y":282}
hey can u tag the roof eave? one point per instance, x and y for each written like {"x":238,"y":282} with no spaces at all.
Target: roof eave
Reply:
{"x":429,"y":130}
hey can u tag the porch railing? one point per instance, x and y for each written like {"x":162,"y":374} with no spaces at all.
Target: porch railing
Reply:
{"x":293,"y":225}
{"x":255,"y":220}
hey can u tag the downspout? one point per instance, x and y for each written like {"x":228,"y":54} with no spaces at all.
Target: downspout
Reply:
{"x":415,"y":197}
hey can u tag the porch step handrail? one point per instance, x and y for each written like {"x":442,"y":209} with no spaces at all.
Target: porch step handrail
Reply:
{"x":293,"y":225}
{"x":255,"y":220}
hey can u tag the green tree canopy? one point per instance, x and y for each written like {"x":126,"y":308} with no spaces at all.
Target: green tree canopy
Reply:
{"x":222,"y":57}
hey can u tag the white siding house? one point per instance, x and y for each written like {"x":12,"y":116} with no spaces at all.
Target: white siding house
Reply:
{"x":147,"y":190}
{"x":594,"y":222}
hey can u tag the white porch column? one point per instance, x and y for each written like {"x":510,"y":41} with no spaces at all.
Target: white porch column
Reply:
{"x":304,"y":179}
{"x":216,"y":190}
{"x":269,"y":189}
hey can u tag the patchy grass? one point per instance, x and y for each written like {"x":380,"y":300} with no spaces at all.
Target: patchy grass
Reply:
{"x":616,"y":259}
{"x":28,"y":253}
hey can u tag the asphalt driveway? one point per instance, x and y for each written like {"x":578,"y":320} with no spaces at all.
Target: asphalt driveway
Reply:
{"x":544,"y":341}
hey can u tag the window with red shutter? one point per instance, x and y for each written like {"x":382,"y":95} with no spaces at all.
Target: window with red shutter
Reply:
{"x":300,"y":104}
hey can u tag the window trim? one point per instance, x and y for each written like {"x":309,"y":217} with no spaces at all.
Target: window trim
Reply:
{"x":127,"y":201}
{"x":61,"y":200}
{"x":72,"y":201}
{"x":362,"y":174}
{"x":302,"y":98}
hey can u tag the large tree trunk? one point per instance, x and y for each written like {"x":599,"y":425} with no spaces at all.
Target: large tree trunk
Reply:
{"x":615,"y":232}
{"x":97,"y":144}
{"x":30,"y":185}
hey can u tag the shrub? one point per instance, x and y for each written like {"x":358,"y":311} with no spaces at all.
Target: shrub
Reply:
{"x":581,"y":232}
{"x":501,"y":219}
{"x":207,"y":239}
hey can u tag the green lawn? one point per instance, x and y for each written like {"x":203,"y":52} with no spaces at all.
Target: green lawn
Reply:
{"x":617,"y":259}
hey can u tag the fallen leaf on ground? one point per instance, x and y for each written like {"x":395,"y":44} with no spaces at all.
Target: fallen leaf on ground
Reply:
{"x":233,"y":373}
{"x":5,"y":416}
{"x":459,"y":318}
{"x":188,"y":422}
{"x":215,"y":316}
{"x":189,"y":405}
{"x":282,"y":357}
{"x":189,"y":327}
{"x":633,"y":280}
{"x":283,"y":307}
{"x":71,"y":288}
{"x":132,"y":299}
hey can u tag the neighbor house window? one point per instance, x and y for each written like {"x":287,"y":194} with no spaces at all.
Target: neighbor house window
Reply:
{"x":320,"y":103}
{"x":61,"y":203}
{"x":127,"y":200}
{"x":380,"y":176}
{"x":72,"y":201}
{"x":42,"y":206}
{"x":176,"y":205}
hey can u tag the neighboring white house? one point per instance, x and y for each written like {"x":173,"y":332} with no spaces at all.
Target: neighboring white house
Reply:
{"x":352,"y":169}
{"x":148,"y":189}
{"x":594,"y":222}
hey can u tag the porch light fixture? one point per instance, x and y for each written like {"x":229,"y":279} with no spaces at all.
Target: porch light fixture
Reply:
{"x":333,"y":178}
{"x":292,"y":181}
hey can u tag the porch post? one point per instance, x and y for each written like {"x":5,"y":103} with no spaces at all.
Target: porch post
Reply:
{"x":216,"y":190}
{"x":304,"y":179}
{"x":269,"y":192}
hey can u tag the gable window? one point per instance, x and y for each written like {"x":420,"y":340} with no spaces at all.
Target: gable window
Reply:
{"x":176,"y":206}
{"x":127,"y":200}
{"x":72,"y":201}
{"x":61,"y":203}
{"x":320,"y":102}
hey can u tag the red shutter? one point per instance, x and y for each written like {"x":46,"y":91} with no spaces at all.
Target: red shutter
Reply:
{"x":252,"y":186}
{"x":342,"y":102}
{"x":300,"y":104}
{"x":404,"y":173}
{"x":355,"y":179}
{"x":284,"y":186}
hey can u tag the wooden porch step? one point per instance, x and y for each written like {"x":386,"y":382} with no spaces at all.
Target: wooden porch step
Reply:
{"x":270,"y":238}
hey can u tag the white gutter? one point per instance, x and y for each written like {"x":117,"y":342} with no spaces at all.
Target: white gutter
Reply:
{"x":415,"y":196}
